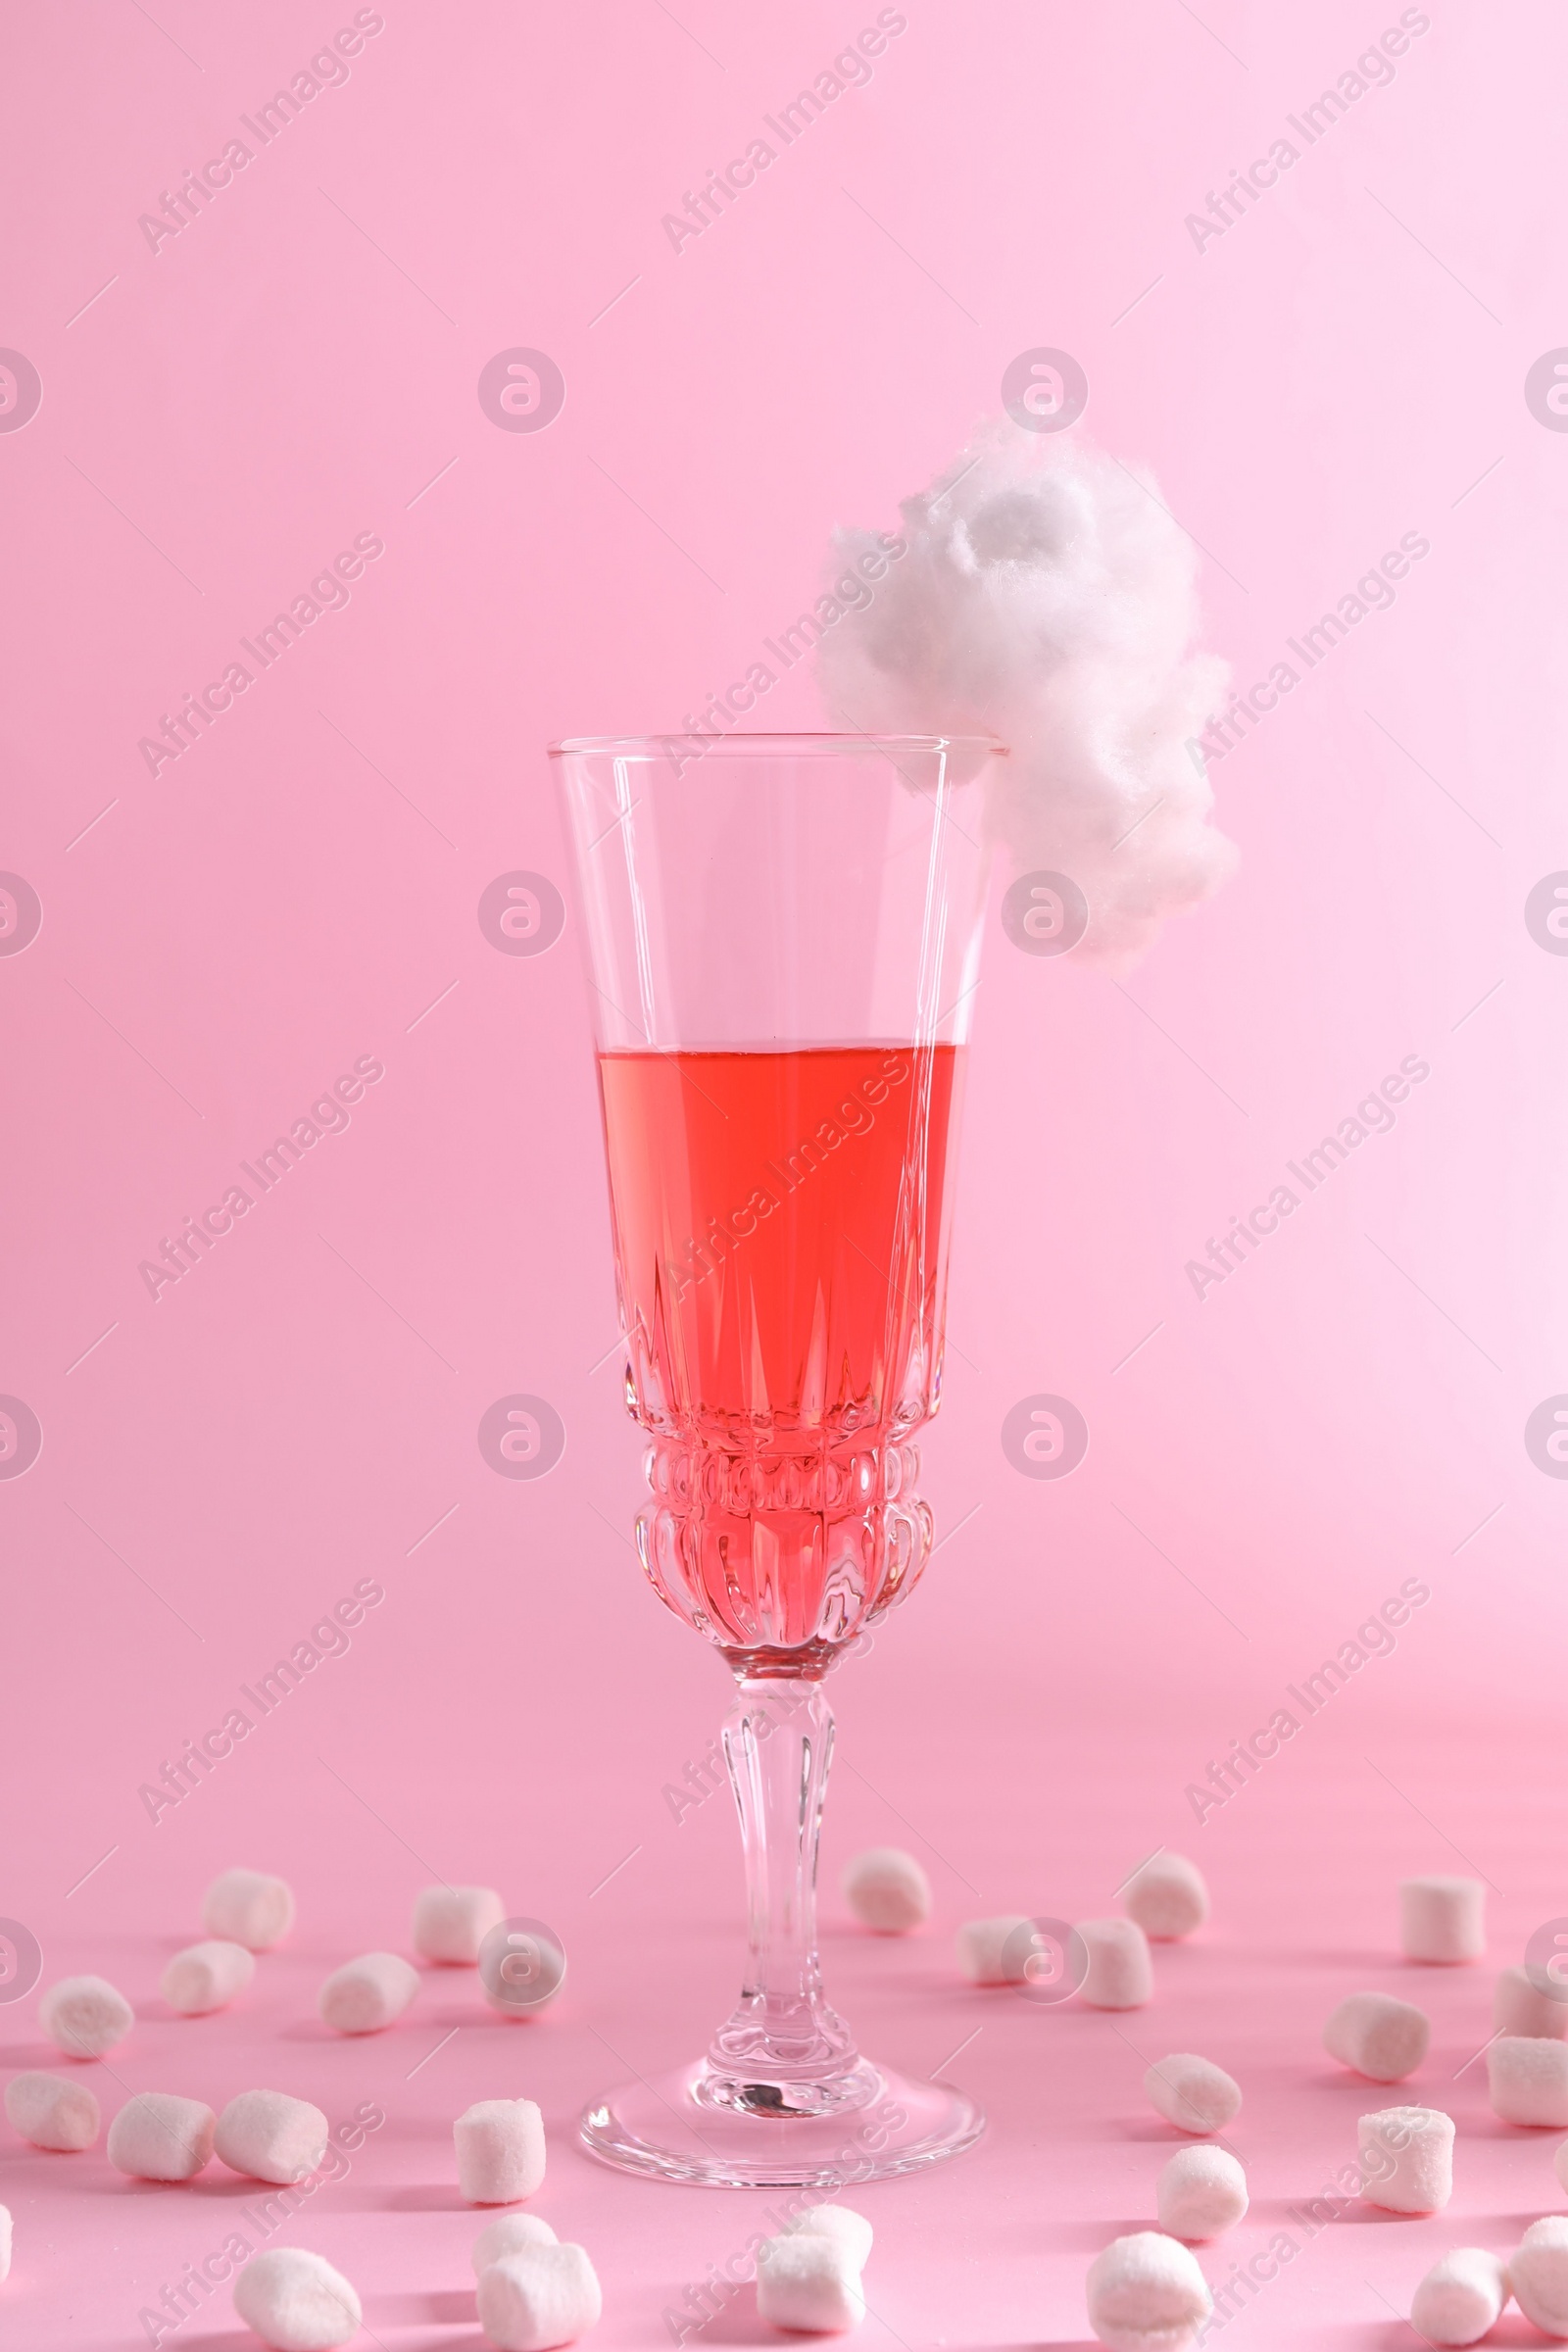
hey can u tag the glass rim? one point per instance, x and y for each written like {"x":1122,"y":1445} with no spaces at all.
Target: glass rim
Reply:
{"x":802,"y":747}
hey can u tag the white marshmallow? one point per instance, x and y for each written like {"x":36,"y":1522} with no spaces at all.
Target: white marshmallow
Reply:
{"x":509,"y":2233}
{"x":450,"y":1923}
{"x":1460,"y":2297}
{"x":1193,"y":2093}
{"x":295,"y":2301}
{"x":51,"y":2111}
{"x":206,"y":1976}
{"x":847,"y":2228}
{"x":366,"y":1994}
{"x":1442,"y":1919}
{"x":1538,"y":2276}
{"x":1200,"y":2193}
{"x":808,"y":2283}
{"x":272,"y":2137}
{"x":539,"y":2297}
{"x":157,"y":2136}
{"x":1408,"y":2159}
{"x":1381,"y":2037}
{"x":4,"y":2241}
{"x":1121,"y":1975}
{"x":84,"y":2016}
{"x":1519,"y":2006}
{"x":247,"y":1907}
{"x":1146,"y":2294}
{"x":500,"y":2151}
{"x":1529,"y":2080}
{"x":1167,"y":1896}
{"x":887,"y":1890}
{"x":992,"y":1951}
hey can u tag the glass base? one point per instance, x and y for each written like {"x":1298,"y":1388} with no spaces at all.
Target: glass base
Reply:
{"x":706,"y":2129}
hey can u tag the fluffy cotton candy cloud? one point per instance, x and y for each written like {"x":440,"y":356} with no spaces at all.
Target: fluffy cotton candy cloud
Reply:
{"x":1047,"y":598}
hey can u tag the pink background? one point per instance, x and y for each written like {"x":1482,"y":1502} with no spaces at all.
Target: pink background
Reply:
{"x":1345,"y":364}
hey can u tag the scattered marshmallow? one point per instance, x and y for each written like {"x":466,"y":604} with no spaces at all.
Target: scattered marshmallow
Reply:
{"x":4,"y":2241}
{"x":1202,"y":2193}
{"x":84,"y":2016}
{"x":1193,"y":2093}
{"x":992,"y":1951}
{"x":272,"y":2137}
{"x":247,"y":1907}
{"x":811,"y":2282}
{"x":1120,"y":1973}
{"x":1408,"y":2159}
{"x":51,"y":2111}
{"x":206,"y":1976}
{"x":1146,"y":2294}
{"x":1167,"y":1896}
{"x":295,"y":2301}
{"x":1381,"y":2037}
{"x":1460,"y":2297}
{"x":539,"y":2297}
{"x":500,"y":2151}
{"x":509,"y":2233}
{"x":160,"y":2136}
{"x":366,"y":1994}
{"x":1539,"y":2275}
{"x":887,"y":1890}
{"x":1442,"y":1919}
{"x":450,"y":1923}
{"x":1529,"y":2080}
{"x":847,"y":2228}
{"x":1519,"y":2006}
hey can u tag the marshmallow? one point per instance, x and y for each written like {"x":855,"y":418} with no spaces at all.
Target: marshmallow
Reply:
{"x":206,"y":1976}
{"x":509,"y":2233}
{"x":1200,"y":2193}
{"x":1529,"y":2080}
{"x":450,"y":1923}
{"x":157,"y":2137}
{"x":1442,"y":1919}
{"x":1167,"y":1896}
{"x":84,"y":2016}
{"x":809,"y":2282}
{"x":4,"y":2241}
{"x":1381,"y":2037}
{"x":538,"y":2298}
{"x":296,"y":2302}
{"x":367,"y":1994}
{"x":1146,"y":2294}
{"x":1538,"y":2276}
{"x":1460,"y":2297}
{"x":1120,"y":1973}
{"x":1519,"y":2006}
{"x":271,"y":2137}
{"x":246,"y":1906}
{"x":992,"y":1951}
{"x":500,"y":2151}
{"x":1408,"y":2159}
{"x":1193,"y":2093}
{"x":887,"y":1890}
{"x":51,"y":2111}
{"x":852,"y":2230}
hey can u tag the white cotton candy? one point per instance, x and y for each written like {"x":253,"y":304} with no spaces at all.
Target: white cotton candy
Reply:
{"x":1167,"y":1897}
{"x":1200,"y":2193}
{"x":366,"y":1994}
{"x":1460,"y":2297}
{"x":809,"y":2283}
{"x":1146,"y":2294}
{"x":1408,"y":2159}
{"x":992,"y":1951}
{"x":157,"y":2136}
{"x":247,"y":1907}
{"x":272,"y":2137}
{"x":1120,"y":1973}
{"x":1538,"y":2276}
{"x":51,"y":2111}
{"x":1519,"y":2006}
{"x":296,"y":2302}
{"x":1529,"y":2080}
{"x":500,"y":2151}
{"x":1442,"y":1919}
{"x":509,"y":2233}
{"x":1381,"y":2037}
{"x":847,"y":2228}
{"x":206,"y":1977}
{"x":450,"y":1923}
{"x":538,"y":2298}
{"x":887,"y":1890}
{"x":84,"y":2016}
{"x":1193,"y":2093}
